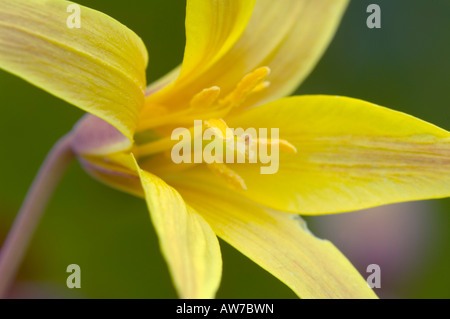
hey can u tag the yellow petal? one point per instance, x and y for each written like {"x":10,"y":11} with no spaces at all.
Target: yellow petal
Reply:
{"x":187,"y":242}
{"x":212,"y":27}
{"x":287,"y":36}
{"x":350,"y":155}
{"x":99,"y":67}
{"x":117,"y":171}
{"x":278,"y":242}
{"x":314,"y":24}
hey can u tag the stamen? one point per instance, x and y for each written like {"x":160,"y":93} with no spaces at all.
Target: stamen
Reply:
{"x":282,"y":144}
{"x":205,"y":102}
{"x":205,"y":99}
{"x":220,"y":128}
{"x":233,"y":144}
{"x":261,"y":86}
{"x":228,"y":175}
{"x":248,"y":84}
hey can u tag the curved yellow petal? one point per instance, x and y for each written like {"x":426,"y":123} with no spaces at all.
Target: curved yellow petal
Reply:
{"x":350,"y":155}
{"x":287,"y":36}
{"x":294,"y":58}
{"x":187,"y":242}
{"x":278,"y":242}
{"x":99,"y":67}
{"x":212,"y":28}
{"x":117,"y":171}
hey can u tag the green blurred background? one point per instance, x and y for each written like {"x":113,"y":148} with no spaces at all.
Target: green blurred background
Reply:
{"x":404,"y":65}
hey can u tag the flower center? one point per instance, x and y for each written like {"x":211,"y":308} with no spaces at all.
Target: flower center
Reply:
{"x":204,"y":114}
{"x":229,"y":146}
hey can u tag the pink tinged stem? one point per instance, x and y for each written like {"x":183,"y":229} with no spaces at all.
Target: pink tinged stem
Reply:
{"x":40,"y":192}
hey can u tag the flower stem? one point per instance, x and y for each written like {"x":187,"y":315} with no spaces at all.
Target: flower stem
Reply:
{"x":40,"y":192}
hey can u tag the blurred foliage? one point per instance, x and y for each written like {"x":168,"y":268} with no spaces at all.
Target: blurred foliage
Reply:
{"x":404,"y":65}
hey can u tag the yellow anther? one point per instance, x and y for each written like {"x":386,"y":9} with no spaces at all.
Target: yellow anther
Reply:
{"x":220,"y":128}
{"x":206,"y":98}
{"x":234,"y":145}
{"x":287,"y":147}
{"x":246,"y":86}
{"x":228,"y":175}
{"x":261,"y":86}
{"x":283,"y":145}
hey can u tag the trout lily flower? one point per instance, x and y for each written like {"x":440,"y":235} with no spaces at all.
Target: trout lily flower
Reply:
{"x":242,"y":58}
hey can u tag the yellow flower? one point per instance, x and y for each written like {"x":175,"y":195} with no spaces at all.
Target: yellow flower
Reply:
{"x":242,"y":57}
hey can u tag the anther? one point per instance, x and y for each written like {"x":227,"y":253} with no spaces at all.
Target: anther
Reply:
{"x":206,"y":98}
{"x":220,"y":128}
{"x":250,"y":82}
{"x":283,"y":145}
{"x":261,"y":86}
